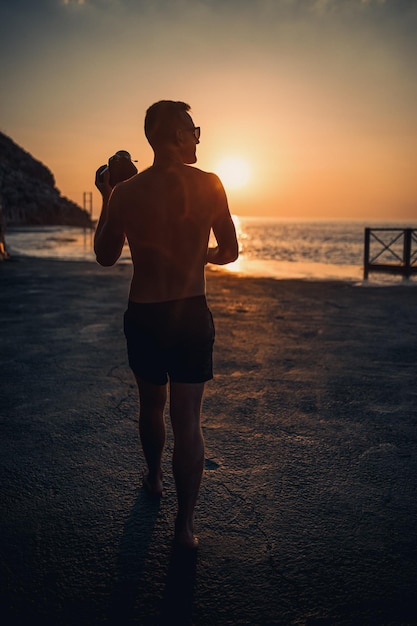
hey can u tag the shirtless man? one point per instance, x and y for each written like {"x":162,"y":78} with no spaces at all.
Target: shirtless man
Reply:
{"x":166,"y":213}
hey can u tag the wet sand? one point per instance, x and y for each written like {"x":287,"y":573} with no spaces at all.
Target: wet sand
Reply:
{"x":307,"y":512}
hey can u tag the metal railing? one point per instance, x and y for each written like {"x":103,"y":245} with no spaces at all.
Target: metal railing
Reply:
{"x":391,"y":250}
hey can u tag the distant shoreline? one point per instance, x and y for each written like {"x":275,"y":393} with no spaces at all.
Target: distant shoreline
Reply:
{"x":215,"y":273}
{"x":283,"y":251}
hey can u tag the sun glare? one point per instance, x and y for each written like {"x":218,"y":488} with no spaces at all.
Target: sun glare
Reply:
{"x":233,"y":171}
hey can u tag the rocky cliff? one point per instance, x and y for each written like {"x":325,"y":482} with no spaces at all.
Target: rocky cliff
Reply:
{"x":28,"y":194}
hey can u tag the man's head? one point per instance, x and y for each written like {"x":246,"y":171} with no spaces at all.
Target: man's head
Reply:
{"x":168,"y":123}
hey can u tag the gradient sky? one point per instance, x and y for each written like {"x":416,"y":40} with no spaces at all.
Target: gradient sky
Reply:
{"x":319,"y":97}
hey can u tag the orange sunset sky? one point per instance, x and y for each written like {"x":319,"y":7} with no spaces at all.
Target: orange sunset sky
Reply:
{"x":317,"y":98}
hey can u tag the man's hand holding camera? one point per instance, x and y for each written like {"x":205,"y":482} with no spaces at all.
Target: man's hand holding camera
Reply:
{"x":120,"y":167}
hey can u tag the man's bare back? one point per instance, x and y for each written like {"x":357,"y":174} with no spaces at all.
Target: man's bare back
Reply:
{"x":166,"y":213}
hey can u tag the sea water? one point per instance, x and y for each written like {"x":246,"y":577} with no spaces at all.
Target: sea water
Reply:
{"x":269,"y":247}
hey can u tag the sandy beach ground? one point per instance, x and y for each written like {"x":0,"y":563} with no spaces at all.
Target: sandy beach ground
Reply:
{"x":308,"y":507}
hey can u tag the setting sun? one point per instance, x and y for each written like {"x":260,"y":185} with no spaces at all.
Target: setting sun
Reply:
{"x":233,"y":171}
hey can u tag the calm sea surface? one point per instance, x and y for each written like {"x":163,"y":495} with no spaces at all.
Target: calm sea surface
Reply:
{"x":268,"y":247}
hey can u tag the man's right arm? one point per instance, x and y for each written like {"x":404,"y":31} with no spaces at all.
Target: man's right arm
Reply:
{"x":109,"y":237}
{"x":227,"y":249}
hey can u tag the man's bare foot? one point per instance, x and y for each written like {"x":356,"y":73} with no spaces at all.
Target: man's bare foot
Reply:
{"x":186,"y":540}
{"x":152,"y":487}
{"x":184,"y":537}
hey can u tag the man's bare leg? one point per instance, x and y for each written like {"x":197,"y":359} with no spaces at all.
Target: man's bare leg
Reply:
{"x":188,"y":457}
{"x":152,"y":399}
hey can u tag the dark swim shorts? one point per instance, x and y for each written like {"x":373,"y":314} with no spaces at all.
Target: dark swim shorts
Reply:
{"x":170,"y":339}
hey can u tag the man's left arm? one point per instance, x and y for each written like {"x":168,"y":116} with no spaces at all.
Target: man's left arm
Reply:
{"x":227,"y":249}
{"x":109,"y":237}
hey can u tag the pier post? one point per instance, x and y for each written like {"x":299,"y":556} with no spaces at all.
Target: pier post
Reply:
{"x":366,"y":253}
{"x":88,"y":202}
{"x":407,"y":252}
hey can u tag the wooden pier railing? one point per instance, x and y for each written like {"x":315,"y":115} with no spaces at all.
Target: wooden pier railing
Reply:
{"x":391,"y":250}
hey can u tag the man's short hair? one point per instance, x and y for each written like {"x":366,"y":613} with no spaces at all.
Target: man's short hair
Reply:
{"x":162,"y":119}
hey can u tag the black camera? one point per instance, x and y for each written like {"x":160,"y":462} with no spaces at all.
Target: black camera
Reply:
{"x":120,"y":168}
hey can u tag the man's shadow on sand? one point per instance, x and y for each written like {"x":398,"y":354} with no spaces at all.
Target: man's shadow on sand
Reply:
{"x":177,"y":602}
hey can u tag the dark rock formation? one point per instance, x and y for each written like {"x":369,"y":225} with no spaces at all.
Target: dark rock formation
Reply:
{"x":28,"y":194}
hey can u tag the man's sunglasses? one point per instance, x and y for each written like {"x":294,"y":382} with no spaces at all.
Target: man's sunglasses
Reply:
{"x":195,"y":131}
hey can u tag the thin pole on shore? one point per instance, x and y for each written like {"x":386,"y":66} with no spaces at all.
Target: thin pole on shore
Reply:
{"x":88,"y":207}
{"x":88,"y":203}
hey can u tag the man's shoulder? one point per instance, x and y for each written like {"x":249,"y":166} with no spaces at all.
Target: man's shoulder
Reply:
{"x":141,"y":176}
{"x":209,"y":179}
{"x":198,"y":172}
